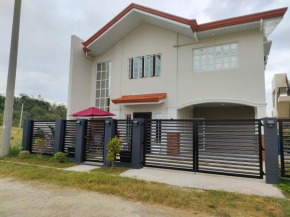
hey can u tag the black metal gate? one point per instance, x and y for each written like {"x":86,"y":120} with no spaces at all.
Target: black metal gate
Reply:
{"x":70,"y":138}
{"x":124,"y":130}
{"x":230,"y":147}
{"x":43,"y":137}
{"x":94,"y":150}
{"x":284,"y":134}
{"x":169,"y":144}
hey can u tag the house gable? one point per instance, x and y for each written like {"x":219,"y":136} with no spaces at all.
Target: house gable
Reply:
{"x":134,"y":15}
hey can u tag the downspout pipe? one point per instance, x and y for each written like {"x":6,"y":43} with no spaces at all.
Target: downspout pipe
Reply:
{"x":196,"y":41}
{"x":91,"y":58}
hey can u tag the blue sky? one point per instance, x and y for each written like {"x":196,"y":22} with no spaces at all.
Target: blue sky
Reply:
{"x":47,"y":26}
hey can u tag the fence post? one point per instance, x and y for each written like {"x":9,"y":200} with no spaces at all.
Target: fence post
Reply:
{"x":271,"y":150}
{"x":59,"y":135}
{"x":281,"y":149}
{"x":80,"y":140}
{"x":110,"y":132}
{"x":27,"y":135}
{"x":137,"y":143}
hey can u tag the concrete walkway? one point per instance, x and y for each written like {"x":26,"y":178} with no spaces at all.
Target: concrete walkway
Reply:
{"x":206,"y":181}
{"x":82,"y":168}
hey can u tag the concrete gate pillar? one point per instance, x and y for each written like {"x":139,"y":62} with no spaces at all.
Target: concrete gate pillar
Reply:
{"x":80,"y":141}
{"x":59,"y":136}
{"x":137,"y":143}
{"x":271,"y":150}
{"x":27,"y":135}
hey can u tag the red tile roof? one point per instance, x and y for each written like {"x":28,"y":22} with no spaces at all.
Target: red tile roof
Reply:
{"x":155,"y":97}
{"x":191,"y":22}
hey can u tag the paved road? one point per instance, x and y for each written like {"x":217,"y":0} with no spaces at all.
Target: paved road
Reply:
{"x":18,"y":198}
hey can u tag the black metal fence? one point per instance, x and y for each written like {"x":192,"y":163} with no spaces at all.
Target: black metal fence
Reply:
{"x":169,"y":144}
{"x":231,"y":147}
{"x":284,"y":135}
{"x":70,"y":138}
{"x":94,"y":149}
{"x":43,"y":137}
{"x":124,"y":130}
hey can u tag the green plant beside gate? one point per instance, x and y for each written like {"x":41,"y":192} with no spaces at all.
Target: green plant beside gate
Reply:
{"x":114,"y":148}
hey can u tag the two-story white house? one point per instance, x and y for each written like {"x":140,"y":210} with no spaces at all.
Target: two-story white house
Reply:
{"x":150,"y":64}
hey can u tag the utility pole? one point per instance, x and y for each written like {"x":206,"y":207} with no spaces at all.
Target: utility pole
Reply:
{"x":20,"y":121}
{"x":9,"y":99}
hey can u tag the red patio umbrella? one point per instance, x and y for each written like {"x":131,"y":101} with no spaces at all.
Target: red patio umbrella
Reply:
{"x":92,"y":111}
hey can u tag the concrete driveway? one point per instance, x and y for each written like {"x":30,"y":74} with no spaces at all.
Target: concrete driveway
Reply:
{"x":18,"y":198}
{"x":206,"y":181}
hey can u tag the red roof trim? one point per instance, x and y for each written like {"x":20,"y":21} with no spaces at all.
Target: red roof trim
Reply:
{"x":155,"y":97}
{"x":192,"y":23}
{"x":242,"y":19}
{"x":86,"y":49}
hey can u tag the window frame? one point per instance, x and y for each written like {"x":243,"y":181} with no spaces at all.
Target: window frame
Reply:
{"x":214,"y":59}
{"x":104,"y":87}
{"x":141,"y":66}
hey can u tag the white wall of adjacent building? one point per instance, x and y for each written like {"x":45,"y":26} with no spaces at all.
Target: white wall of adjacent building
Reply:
{"x":185,"y":88}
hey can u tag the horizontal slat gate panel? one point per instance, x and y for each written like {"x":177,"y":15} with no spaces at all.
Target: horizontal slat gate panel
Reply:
{"x":230,"y":147}
{"x":285,"y":147}
{"x":70,"y":138}
{"x":43,"y":131}
{"x":95,"y":141}
{"x":169,"y":144}
{"x":124,"y":131}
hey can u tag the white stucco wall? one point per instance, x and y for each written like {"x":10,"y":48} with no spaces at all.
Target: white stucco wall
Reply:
{"x":279,"y":80}
{"x":80,"y":77}
{"x":243,"y":85}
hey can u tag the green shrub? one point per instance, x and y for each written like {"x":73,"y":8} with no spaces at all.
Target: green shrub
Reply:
{"x":24,"y":154}
{"x":15,"y":150}
{"x":114,"y":148}
{"x":60,"y":157}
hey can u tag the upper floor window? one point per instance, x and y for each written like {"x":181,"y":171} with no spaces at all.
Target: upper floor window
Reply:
{"x":145,"y":66}
{"x":215,"y":58}
{"x":103,"y":84}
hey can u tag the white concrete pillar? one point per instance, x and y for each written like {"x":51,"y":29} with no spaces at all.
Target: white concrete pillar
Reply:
{"x":171,"y":113}
{"x":260,"y":112}
{"x":117,"y":113}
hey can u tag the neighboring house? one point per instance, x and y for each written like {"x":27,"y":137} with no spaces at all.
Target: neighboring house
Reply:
{"x":150,"y":64}
{"x":281,"y":96}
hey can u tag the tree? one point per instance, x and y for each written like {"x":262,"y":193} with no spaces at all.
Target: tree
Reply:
{"x":34,"y":108}
{"x":114,"y":148}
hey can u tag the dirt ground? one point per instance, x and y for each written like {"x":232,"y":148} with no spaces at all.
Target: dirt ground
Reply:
{"x":18,"y":198}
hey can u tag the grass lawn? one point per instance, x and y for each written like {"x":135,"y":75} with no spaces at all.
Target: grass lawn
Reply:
{"x":16,"y":136}
{"x":111,"y":171}
{"x":285,"y":186}
{"x":217,"y":203}
{"x":43,"y":161}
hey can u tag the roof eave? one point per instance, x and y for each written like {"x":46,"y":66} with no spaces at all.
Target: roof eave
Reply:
{"x":191,"y":22}
{"x":243,"y":19}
